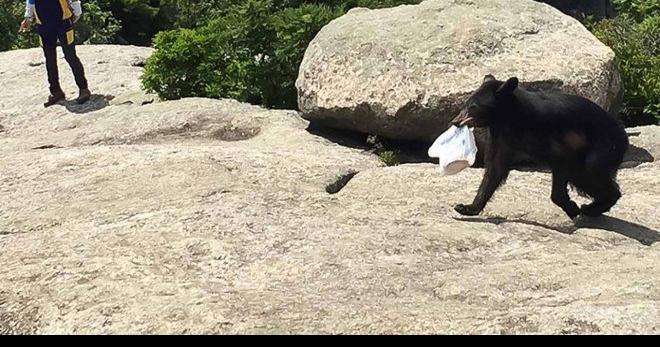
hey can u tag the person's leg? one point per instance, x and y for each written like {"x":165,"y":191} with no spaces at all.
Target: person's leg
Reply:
{"x":48,"y":38}
{"x":66,"y":37}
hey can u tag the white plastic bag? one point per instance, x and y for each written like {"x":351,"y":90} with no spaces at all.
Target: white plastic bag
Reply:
{"x":76,"y":6}
{"x":456,"y":149}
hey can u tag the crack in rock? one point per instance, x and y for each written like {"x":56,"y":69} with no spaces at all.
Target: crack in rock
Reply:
{"x":341,"y":182}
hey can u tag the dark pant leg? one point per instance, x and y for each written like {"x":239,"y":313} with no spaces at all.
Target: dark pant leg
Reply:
{"x":66,"y":37}
{"x":76,"y":66}
{"x":49,"y":44}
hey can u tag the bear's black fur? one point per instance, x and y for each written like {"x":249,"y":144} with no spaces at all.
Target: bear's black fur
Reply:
{"x":581,"y":143}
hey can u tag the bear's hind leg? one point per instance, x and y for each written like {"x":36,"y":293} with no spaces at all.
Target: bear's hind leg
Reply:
{"x":603,"y":190}
{"x":560,"y":194}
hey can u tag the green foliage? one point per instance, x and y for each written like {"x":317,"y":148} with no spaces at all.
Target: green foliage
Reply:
{"x":112,"y":21}
{"x":216,"y":60}
{"x":11,"y":15}
{"x":294,"y":28}
{"x":8,"y":24}
{"x":140,"y":19}
{"x":251,"y":52}
{"x":194,"y":13}
{"x":638,"y":9}
{"x":635,"y":38}
{"x":96,"y":26}
{"x":390,"y":158}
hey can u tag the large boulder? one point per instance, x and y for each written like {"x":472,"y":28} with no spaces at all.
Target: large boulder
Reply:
{"x":404,"y":72}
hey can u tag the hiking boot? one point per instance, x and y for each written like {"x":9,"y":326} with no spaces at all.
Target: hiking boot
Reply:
{"x":84,"y":96}
{"x":54,"y":99}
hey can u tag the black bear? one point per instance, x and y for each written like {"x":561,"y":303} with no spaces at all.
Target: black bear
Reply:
{"x":581,"y":143}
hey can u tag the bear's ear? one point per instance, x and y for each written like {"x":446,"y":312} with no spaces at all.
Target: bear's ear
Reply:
{"x":489,"y":78}
{"x":508,"y":87}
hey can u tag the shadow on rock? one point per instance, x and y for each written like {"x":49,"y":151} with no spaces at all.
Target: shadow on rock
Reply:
{"x":406,"y":151}
{"x":95,"y":103}
{"x":640,"y":233}
{"x":644,"y":235}
{"x":568,"y":229}
{"x":346,"y":138}
{"x":636,"y":156}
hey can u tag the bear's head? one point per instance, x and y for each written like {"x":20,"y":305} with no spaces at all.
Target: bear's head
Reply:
{"x":486,"y":104}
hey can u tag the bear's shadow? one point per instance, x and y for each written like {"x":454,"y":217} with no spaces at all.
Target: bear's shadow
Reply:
{"x":640,"y":233}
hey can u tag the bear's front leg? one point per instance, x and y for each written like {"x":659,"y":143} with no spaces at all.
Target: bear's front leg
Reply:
{"x":498,"y":160}
{"x":493,"y":178}
{"x":467,"y":210}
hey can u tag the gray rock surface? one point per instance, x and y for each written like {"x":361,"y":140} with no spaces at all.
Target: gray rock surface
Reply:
{"x":211,"y":216}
